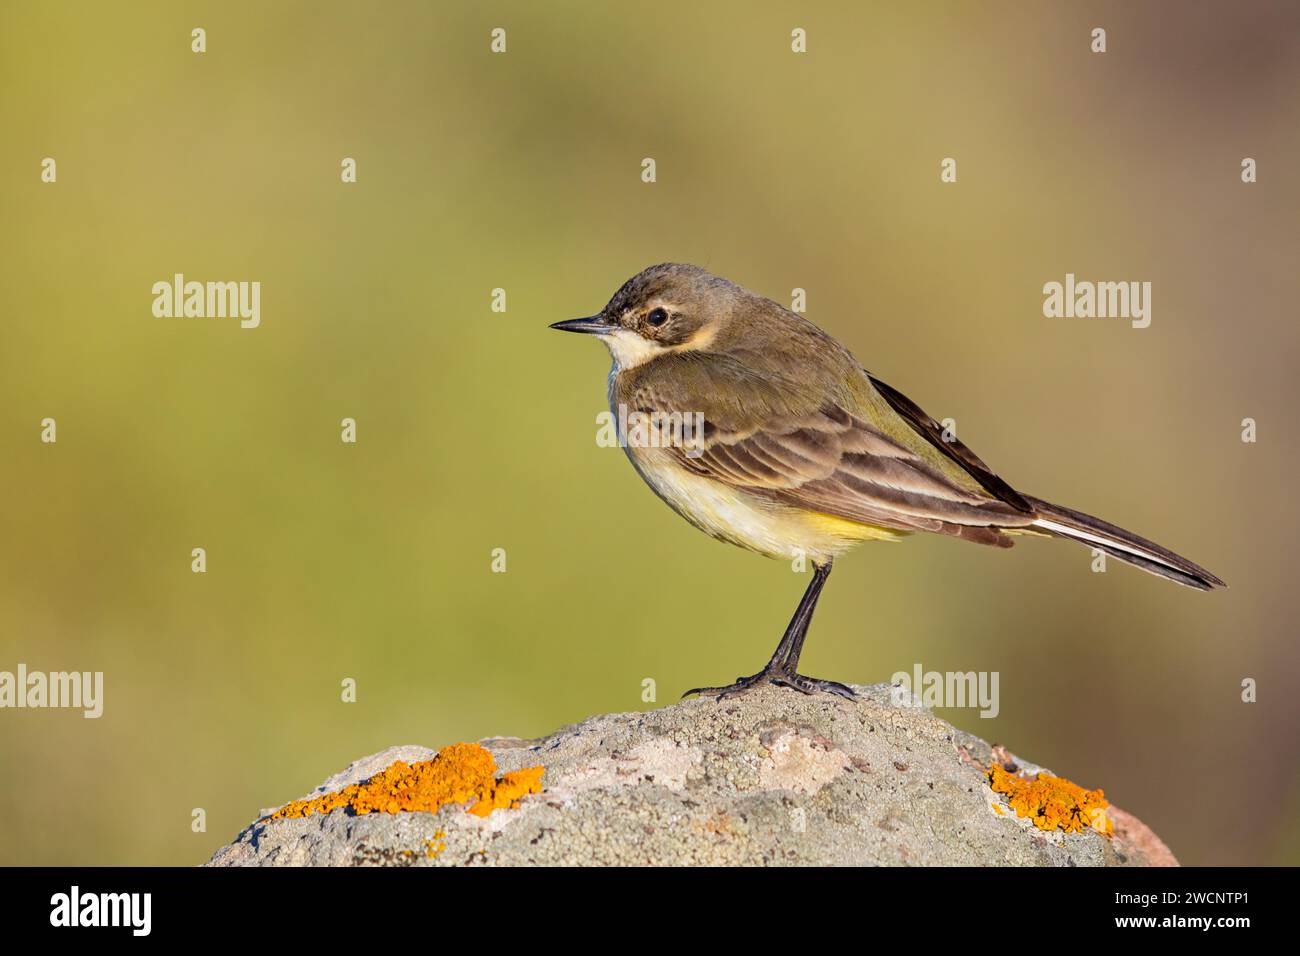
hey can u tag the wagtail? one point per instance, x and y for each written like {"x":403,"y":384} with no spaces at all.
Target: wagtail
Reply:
{"x":800,"y":452}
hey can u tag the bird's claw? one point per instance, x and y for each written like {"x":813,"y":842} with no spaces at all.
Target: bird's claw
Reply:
{"x":777,"y":677}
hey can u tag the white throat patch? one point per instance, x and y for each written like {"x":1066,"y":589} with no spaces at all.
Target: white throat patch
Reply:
{"x":629,"y":349}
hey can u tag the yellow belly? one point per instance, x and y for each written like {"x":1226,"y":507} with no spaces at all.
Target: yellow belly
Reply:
{"x":749,"y":521}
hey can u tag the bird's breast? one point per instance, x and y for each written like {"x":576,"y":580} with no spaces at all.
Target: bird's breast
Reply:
{"x":744,"y":519}
{"x":727,"y":512}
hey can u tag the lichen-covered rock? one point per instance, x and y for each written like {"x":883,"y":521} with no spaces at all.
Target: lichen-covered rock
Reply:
{"x":766,"y":777}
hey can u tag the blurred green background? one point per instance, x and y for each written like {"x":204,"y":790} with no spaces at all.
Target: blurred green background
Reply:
{"x":477,"y":430}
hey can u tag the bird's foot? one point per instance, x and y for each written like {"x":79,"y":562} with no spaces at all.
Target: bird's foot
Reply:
{"x":776,"y":677}
{"x":811,"y":685}
{"x":741,"y":685}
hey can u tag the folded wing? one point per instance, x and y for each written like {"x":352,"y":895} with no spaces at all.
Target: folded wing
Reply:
{"x":830,"y":459}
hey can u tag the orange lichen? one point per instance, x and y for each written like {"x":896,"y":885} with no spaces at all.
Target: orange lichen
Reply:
{"x":1052,"y":803}
{"x":457,"y":774}
{"x":436,"y":845}
{"x":508,"y":790}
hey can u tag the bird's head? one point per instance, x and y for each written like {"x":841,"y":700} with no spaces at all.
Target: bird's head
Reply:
{"x":666,"y":308}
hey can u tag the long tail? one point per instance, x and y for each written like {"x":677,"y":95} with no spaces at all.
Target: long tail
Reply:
{"x":1121,"y":544}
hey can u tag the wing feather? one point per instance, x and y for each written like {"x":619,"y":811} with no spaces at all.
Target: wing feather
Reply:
{"x":933,"y":432}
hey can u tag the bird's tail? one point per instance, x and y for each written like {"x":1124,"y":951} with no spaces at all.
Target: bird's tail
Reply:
{"x":1121,"y":544}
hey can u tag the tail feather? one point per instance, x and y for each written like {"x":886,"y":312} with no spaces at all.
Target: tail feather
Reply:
{"x":1121,"y":544}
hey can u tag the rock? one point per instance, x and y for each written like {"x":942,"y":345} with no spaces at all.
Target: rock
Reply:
{"x":767,"y":777}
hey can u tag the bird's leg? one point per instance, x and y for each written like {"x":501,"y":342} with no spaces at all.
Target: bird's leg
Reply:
{"x":781,"y":670}
{"x":786,"y":655}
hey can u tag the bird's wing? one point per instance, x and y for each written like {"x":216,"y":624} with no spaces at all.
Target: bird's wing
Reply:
{"x":835,"y":457}
{"x":934,"y":433}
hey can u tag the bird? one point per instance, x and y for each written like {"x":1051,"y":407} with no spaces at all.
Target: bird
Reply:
{"x":766,"y":432}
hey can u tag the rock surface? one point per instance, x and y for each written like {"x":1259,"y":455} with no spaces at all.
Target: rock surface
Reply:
{"x":767,"y":777}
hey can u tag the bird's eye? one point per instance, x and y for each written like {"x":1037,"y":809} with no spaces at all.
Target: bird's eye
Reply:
{"x":657,"y":317}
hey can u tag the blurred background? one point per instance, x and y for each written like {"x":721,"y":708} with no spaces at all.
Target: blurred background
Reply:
{"x":476,"y":430}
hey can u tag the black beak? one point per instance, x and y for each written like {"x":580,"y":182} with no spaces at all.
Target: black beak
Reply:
{"x":592,"y":324}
